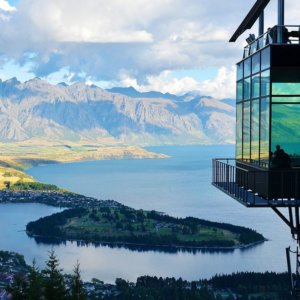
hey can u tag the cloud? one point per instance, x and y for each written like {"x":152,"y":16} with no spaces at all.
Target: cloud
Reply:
{"x":222,"y":86}
{"x":5,"y":6}
{"x":103,"y":40}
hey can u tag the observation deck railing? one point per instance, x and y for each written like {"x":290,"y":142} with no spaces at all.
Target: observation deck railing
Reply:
{"x":257,"y":187}
{"x":287,"y":34}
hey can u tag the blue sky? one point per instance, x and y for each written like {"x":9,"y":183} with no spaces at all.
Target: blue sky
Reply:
{"x":168,"y":45}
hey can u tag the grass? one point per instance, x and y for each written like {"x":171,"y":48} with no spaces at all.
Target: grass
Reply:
{"x":106,"y":225}
{"x":12,"y":176}
{"x":19,"y":156}
{"x":24,"y":155}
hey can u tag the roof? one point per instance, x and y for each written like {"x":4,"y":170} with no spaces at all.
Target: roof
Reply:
{"x":250,"y":19}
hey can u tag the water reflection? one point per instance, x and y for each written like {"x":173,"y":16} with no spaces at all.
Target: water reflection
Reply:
{"x":138,"y":248}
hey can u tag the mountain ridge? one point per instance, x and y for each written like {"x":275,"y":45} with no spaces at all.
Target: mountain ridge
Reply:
{"x":37,"y":109}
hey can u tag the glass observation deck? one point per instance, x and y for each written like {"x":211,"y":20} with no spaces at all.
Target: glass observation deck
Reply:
{"x":266,"y":169}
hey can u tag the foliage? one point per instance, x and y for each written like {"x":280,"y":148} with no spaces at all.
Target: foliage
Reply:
{"x":77,"y":292}
{"x":34,"y":186}
{"x":54,"y":279}
{"x":35,"y":281}
{"x":138,"y":227}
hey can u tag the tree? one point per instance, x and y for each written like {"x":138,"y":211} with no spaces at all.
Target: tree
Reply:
{"x":35,"y":283}
{"x":54,"y":280}
{"x":77,"y":291}
{"x":18,"y":289}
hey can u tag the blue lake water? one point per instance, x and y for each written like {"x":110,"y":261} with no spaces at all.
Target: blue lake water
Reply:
{"x":179,"y":186}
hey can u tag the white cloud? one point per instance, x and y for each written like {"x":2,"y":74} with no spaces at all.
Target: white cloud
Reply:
{"x":222,"y":86}
{"x":5,"y":6}
{"x":140,"y":38}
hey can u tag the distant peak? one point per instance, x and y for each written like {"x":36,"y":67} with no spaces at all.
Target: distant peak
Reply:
{"x":62,"y":84}
{"x":36,"y":79}
{"x":13,"y":81}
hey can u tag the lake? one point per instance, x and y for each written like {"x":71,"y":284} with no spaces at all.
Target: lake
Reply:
{"x":179,"y":186}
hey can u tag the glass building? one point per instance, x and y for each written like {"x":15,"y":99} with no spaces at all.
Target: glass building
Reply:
{"x":268,"y":105}
{"x":267,"y":161}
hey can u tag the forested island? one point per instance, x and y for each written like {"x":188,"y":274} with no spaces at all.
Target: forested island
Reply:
{"x":123,"y":225}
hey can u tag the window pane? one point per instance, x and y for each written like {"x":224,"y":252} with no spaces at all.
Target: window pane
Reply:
{"x":239,"y":91}
{"x":239,"y":130}
{"x":256,"y":63}
{"x":286,"y":88}
{"x":246,"y":131}
{"x":286,"y":130}
{"x":255,"y":86}
{"x":286,"y":99}
{"x":239,"y":71}
{"x":247,"y":88}
{"x":265,"y":83}
{"x":265,"y":58}
{"x":255,"y":130}
{"x":247,"y":67}
{"x":264,"y":131}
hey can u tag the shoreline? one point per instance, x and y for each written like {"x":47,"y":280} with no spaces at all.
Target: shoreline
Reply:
{"x":145,"y":247}
{"x":72,"y":201}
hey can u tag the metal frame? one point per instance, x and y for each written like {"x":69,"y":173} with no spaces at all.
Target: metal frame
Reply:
{"x":241,"y":184}
{"x":250,"y":19}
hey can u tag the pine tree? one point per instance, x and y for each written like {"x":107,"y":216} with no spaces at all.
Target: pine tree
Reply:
{"x":77,"y":291}
{"x":54,"y":281}
{"x":18,"y":289}
{"x":35,"y":283}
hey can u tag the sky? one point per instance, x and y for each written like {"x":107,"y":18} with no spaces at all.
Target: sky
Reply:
{"x":171,"y":46}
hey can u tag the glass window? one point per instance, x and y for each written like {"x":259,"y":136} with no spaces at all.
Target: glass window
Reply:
{"x":265,"y":83}
{"x":253,"y":47}
{"x":264,"y":132}
{"x":247,"y":67}
{"x":239,"y":91}
{"x":256,"y":63}
{"x":262,"y":41}
{"x":286,"y":88}
{"x":255,"y":85}
{"x":255,"y":130}
{"x":265,"y":58}
{"x":239,"y":131}
{"x":286,"y":130}
{"x":239,"y":71}
{"x":246,"y":131}
{"x":286,"y":99}
{"x":247,"y":82}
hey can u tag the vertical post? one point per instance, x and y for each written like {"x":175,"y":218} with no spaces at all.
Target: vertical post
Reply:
{"x":288,"y":260}
{"x":261,"y":24}
{"x":280,"y":20}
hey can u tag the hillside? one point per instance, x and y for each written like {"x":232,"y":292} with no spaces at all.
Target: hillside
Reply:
{"x":126,"y":226}
{"x":37,"y":110}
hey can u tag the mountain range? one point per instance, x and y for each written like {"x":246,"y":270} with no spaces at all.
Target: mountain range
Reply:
{"x":38,"y":110}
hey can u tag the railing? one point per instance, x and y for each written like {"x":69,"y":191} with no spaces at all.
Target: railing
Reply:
{"x":257,"y":187}
{"x":287,"y":34}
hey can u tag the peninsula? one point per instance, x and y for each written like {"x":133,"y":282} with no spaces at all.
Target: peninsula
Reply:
{"x":125,"y":226}
{"x":90,"y":220}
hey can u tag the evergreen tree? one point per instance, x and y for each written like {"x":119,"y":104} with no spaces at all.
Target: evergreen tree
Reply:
{"x":77,"y":291}
{"x":35,"y":283}
{"x":54,"y":281}
{"x":18,"y":289}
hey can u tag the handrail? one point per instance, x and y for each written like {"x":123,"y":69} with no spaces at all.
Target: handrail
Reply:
{"x":253,"y":187}
{"x":270,"y":37}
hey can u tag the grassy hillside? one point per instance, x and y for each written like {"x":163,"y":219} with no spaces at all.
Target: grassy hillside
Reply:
{"x":9,"y":176}
{"x":129,"y":226}
{"x":24,"y":155}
